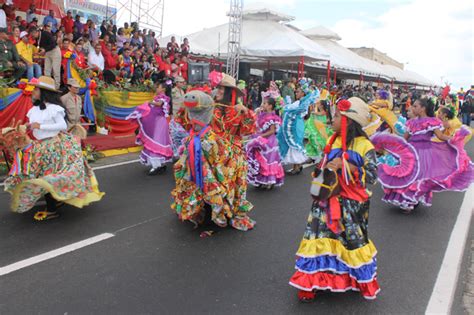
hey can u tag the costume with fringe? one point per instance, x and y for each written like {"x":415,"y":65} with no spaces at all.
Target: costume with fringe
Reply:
{"x":422,"y":165}
{"x":263,"y":154}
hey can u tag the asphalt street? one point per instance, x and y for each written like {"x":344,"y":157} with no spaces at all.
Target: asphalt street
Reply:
{"x":157,"y":264}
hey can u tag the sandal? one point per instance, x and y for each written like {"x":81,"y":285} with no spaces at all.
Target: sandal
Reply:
{"x":45,"y":215}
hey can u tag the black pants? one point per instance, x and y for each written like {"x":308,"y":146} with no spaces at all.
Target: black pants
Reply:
{"x":50,"y":203}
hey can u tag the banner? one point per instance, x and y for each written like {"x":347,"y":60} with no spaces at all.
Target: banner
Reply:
{"x":91,"y":10}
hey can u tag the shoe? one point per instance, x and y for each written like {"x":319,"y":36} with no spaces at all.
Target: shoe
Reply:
{"x":157,"y":170}
{"x":306,"y":297}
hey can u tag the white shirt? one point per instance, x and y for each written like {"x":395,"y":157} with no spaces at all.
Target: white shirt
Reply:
{"x":51,"y":120}
{"x":3,"y":19}
{"x":97,"y":60}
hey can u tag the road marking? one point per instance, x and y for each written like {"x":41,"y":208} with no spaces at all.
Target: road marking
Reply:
{"x":54,"y":253}
{"x":115,"y":164}
{"x":444,"y":290}
{"x":104,"y":166}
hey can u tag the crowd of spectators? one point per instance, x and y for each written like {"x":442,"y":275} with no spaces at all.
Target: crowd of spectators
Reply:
{"x":30,"y":48}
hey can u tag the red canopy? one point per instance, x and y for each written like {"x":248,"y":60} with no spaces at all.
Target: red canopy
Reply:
{"x":42,"y":7}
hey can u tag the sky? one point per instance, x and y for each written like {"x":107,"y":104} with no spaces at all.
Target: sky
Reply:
{"x":434,"y":38}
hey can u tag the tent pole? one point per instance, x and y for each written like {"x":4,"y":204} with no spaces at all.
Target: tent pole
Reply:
{"x":328,"y":78}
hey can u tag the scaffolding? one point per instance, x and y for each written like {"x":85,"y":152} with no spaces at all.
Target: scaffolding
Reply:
{"x":147,"y":13}
{"x":235,"y":35}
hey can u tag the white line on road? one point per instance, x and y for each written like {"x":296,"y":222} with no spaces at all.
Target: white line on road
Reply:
{"x":54,"y":253}
{"x":115,"y":164}
{"x":106,"y":166}
{"x":445,"y":287}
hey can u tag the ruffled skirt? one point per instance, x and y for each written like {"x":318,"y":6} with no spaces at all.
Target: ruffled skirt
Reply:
{"x":264,"y":162}
{"x":55,"y":166}
{"x":337,"y":262}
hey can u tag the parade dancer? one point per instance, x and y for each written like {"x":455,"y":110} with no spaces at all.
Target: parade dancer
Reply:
{"x":205,"y":172}
{"x":336,"y":253}
{"x":263,"y":156}
{"x":154,"y":133}
{"x":50,"y":166}
{"x":423,"y":166}
{"x":317,"y":130}
{"x":291,"y":134}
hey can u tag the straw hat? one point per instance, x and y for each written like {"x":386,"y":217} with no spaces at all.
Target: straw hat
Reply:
{"x":179,"y":79}
{"x":228,"y":81}
{"x":45,"y":83}
{"x":358,"y":111}
{"x":73,"y":82}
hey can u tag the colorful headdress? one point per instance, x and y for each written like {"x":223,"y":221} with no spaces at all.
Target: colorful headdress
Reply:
{"x":304,"y":85}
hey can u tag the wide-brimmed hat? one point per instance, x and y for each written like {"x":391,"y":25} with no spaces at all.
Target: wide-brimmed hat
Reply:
{"x":179,"y":79}
{"x":45,"y":83}
{"x":228,"y":81}
{"x":358,"y":111}
{"x":73,"y":82}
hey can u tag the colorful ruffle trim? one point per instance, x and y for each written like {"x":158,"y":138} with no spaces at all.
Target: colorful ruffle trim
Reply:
{"x":327,"y":263}
{"x":423,"y":125}
{"x":312,"y":248}
{"x":334,"y":283}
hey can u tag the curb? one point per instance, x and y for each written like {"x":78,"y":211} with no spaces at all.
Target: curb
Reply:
{"x":115,"y":152}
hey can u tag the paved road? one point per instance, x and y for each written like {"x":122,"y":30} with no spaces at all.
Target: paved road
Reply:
{"x":156,"y":264}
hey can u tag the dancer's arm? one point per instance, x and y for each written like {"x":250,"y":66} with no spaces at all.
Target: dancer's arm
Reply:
{"x":441,"y":136}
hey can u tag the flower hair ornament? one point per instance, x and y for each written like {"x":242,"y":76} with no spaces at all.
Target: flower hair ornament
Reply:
{"x":304,"y":85}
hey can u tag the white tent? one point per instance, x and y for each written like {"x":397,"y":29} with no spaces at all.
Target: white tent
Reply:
{"x":348,"y":61}
{"x":264,"y":38}
{"x":342,"y":58}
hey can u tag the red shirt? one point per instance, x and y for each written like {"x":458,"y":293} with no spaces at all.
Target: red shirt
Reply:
{"x":68,"y":24}
{"x":184,"y":70}
{"x":14,"y":41}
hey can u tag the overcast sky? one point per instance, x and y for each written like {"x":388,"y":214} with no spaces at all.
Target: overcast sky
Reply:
{"x":433,"y":38}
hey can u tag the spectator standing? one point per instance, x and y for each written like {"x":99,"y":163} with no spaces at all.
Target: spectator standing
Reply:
{"x":127,"y":31}
{"x":150,"y":40}
{"x":177,"y":94}
{"x":93,"y":35}
{"x":31,"y":13}
{"x":467,"y":107}
{"x":126,"y":63}
{"x":185,"y":49}
{"x":52,"y":54}
{"x":173,"y":48}
{"x":103,"y":28}
{"x":254,"y":96}
{"x":51,"y":19}
{"x":26,"y":52}
{"x":136,"y":40}
{"x":78,"y":25}
{"x":3,"y":19}
{"x":68,"y":23}
{"x":121,"y":39}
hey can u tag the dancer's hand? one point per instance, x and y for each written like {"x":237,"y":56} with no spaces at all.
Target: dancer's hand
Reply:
{"x":335,"y":164}
{"x":35,"y":125}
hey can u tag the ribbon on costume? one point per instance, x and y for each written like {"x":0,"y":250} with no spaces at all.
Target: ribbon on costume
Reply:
{"x":334,"y":214}
{"x":195,"y":157}
{"x":22,"y":161}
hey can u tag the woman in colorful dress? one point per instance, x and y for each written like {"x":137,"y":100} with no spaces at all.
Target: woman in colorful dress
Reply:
{"x":317,"y":130}
{"x":336,"y":253}
{"x":154,"y":133}
{"x":52,"y":165}
{"x":425,"y":166}
{"x":291,"y":134}
{"x":205,"y":173}
{"x":263,"y":156}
